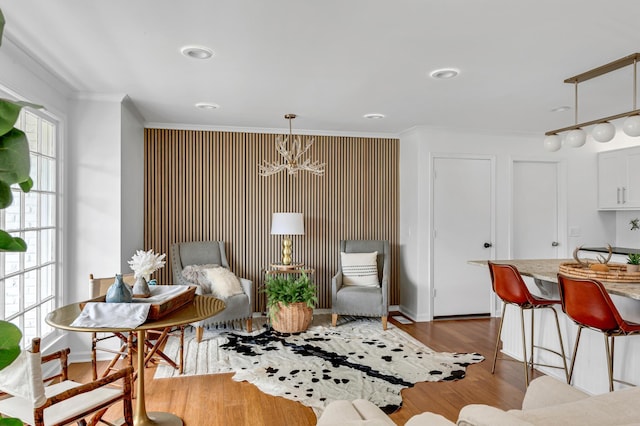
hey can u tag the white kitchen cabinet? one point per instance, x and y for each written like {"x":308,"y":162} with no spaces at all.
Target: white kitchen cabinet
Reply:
{"x":619,"y":179}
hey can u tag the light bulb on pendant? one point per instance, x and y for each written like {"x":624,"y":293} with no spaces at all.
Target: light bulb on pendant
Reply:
{"x":631,"y":125}
{"x":576,"y":138}
{"x":603,"y":132}
{"x":552,"y":143}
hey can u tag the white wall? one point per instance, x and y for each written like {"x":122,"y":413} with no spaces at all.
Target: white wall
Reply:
{"x":416,"y":146}
{"x":94,"y":188}
{"x":93,"y":202}
{"x":131,"y":183}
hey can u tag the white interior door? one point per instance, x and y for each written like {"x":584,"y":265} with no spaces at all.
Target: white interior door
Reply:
{"x":462,"y":231}
{"x":535,"y":210}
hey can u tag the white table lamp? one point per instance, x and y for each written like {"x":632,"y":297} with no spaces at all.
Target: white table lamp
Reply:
{"x":287,"y":224}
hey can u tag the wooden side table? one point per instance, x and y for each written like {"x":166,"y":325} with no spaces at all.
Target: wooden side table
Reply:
{"x":296,"y":268}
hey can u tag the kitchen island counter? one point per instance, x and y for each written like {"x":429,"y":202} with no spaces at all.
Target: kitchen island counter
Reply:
{"x":547,"y":270}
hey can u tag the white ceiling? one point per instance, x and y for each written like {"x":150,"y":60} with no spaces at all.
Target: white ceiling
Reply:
{"x":331,"y":61}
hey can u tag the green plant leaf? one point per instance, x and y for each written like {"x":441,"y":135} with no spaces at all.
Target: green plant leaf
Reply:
{"x":12,"y":244}
{"x":14,"y":157}
{"x":10,"y":422}
{"x":26,"y":185}
{"x":9,"y":112}
{"x":286,"y":289}
{"x":10,"y":336}
{"x":6,"y":197}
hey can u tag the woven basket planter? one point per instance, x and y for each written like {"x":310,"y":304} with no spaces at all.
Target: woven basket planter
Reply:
{"x":293,"y":318}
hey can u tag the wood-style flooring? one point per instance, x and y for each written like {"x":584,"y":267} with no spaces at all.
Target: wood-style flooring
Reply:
{"x":216,"y":400}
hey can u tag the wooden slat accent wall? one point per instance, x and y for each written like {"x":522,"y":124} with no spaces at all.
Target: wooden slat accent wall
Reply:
{"x":204,"y":185}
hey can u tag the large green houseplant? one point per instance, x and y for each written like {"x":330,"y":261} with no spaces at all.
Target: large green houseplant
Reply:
{"x":14,"y":168}
{"x":14,"y":159}
{"x":290,"y":301}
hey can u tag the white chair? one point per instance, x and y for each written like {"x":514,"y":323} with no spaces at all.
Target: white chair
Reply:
{"x":62,"y":402}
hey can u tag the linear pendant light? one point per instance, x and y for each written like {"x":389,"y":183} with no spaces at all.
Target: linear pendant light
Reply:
{"x":603,"y":131}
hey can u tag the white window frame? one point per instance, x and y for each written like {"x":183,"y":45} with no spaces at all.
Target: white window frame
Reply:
{"x":41,"y":328}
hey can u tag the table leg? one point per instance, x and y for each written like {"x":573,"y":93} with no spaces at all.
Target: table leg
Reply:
{"x":140,"y":415}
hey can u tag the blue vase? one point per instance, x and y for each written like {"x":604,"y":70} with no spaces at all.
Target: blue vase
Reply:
{"x":119,"y":292}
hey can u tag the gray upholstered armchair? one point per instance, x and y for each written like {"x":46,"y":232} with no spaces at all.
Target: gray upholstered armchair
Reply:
{"x":238,"y":307}
{"x":357,"y":300}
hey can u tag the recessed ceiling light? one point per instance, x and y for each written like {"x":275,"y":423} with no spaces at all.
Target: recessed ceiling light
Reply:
{"x":197,"y":52}
{"x":374,"y":116}
{"x":444,"y":73}
{"x":207,"y":105}
{"x":560,"y":108}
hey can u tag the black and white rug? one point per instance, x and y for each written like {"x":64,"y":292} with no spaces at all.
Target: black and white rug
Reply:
{"x":356,"y":359}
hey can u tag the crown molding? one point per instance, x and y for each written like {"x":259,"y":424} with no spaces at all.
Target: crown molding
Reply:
{"x":179,"y":126}
{"x":102,"y":97}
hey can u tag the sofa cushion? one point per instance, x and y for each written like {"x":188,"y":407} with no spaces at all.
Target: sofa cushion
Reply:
{"x":546,"y":390}
{"x":613,"y":408}
{"x":429,"y":419}
{"x":223,"y":282}
{"x":195,"y":274}
{"x":485,"y":415}
{"x":359,"y":269}
{"x":357,"y":412}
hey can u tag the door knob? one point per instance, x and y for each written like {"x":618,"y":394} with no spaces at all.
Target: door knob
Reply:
{"x":487,"y":245}
{"x":555,"y":244}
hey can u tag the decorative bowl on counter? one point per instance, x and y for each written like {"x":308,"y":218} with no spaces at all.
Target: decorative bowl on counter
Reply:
{"x":617,"y":272}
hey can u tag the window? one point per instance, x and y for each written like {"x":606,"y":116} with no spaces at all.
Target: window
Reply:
{"x":28,"y":280}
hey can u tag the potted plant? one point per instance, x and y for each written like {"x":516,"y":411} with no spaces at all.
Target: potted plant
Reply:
{"x":10,"y":336}
{"x":290,"y":302}
{"x":633,"y":262}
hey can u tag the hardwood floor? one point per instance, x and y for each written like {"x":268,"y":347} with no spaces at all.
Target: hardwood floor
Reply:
{"x":216,"y":400}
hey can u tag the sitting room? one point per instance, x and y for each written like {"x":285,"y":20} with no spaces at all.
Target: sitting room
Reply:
{"x":332,"y":213}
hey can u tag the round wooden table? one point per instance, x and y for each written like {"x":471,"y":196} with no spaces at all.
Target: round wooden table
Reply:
{"x":199,"y":309}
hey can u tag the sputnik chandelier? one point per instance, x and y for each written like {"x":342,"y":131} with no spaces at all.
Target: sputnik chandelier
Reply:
{"x":604,"y":130}
{"x":291,"y":150}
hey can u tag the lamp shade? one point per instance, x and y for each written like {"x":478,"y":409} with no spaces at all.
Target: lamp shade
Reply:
{"x":603,"y":132}
{"x":287,"y":224}
{"x":631,"y":126}
{"x":552,"y":143}
{"x":575,"y":138}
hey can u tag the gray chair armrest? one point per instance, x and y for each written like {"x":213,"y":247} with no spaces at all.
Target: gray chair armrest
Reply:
{"x":386,"y":272}
{"x":336,"y":284}
{"x":247,"y":287}
{"x":384,"y":287}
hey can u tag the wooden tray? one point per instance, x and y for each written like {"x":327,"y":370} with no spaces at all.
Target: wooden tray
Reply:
{"x":617,"y":273}
{"x":163,"y":309}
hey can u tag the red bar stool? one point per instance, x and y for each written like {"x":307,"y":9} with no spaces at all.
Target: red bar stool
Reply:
{"x":588,"y":304}
{"x":509,"y":286}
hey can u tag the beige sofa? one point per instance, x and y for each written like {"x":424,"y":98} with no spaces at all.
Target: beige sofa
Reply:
{"x":547,"y":402}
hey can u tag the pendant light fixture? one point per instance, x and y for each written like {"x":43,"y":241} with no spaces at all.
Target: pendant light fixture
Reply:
{"x":291,"y":150}
{"x":604,"y":131}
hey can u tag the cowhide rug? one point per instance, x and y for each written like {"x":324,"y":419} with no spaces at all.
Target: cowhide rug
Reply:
{"x":356,"y":359}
